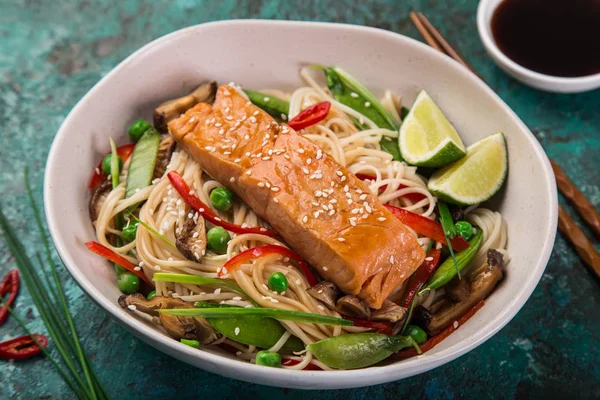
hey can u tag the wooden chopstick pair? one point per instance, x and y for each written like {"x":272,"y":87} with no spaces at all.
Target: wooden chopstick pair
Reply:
{"x":566,"y":225}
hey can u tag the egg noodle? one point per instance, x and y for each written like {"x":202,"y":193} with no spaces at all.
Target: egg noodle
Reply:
{"x":164,"y":210}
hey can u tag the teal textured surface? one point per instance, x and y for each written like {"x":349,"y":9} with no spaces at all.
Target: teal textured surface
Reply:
{"x":53,"y":52}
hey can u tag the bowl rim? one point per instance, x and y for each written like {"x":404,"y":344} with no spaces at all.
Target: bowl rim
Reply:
{"x":284,"y":377}
{"x":484,"y":29}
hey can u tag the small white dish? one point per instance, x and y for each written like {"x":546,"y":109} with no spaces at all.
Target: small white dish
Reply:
{"x":262,"y":54}
{"x":557,"y":84}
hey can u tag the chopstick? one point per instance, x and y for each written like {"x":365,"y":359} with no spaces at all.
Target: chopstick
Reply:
{"x":585,"y":249}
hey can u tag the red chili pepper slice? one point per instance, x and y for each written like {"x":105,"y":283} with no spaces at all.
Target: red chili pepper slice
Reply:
{"x":265,"y":250}
{"x":124,"y":152}
{"x":9,"y":285}
{"x":199,"y":206}
{"x":110,"y":255}
{"x":289,"y":362}
{"x":310,"y":116}
{"x":426,"y":227}
{"x":432,"y":342}
{"x":387,"y":328}
{"x":414,"y":197}
{"x":422,"y":275}
{"x":22,"y":347}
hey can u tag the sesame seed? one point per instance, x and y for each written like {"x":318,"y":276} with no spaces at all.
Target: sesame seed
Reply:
{"x":363,"y":196}
{"x":275,"y":189}
{"x":137,"y":269}
{"x":349,"y":201}
{"x":267,"y":99}
{"x":266,"y":158}
{"x":267,"y":184}
{"x":301,"y":151}
{"x":248,"y":172}
{"x":351,"y":220}
{"x":229,"y":118}
{"x":132,"y":307}
{"x":391,"y":259}
{"x":316,"y":214}
{"x":217,"y":291}
{"x":276,"y":200}
{"x":284,"y":117}
{"x":455,"y":324}
{"x":298,"y":281}
{"x":381,"y":219}
{"x":354,"y":211}
{"x":353,"y":94}
{"x":246,"y":136}
{"x":237,"y":160}
{"x":367,"y":104}
{"x":429,"y":259}
{"x":368,"y":208}
{"x":318,"y":193}
{"x":218,"y":219}
{"x":339,"y":173}
{"x":331,"y":212}
{"x":226,"y":153}
{"x":237,"y":331}
{"x":308,"y":161}
{"x":324,"y":207}
{"x":320,"y":307}
{"x":218,"y":124}
{"x":305,"y":219}
{"x":157,"y":268}
{"x":346,"y":188}
{"x":252,"y":119}
{"x":260,"y":184}
{"x":232,"y":179}
{"x":319,"y":154}
{"x":195,"y":235}
{"x":305,"y":170}
{"x":325,"y":268}
{"x":287,"y":157}
{"x":348,"y":195}
{"x":343,"y":178}
{"x":341,"y":239}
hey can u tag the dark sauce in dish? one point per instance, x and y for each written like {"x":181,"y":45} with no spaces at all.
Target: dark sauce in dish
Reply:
{"x":553,"y":37}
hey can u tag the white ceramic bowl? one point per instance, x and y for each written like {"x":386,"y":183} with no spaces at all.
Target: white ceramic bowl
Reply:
{"x":550,"y":83}
{"x":261,"y":54}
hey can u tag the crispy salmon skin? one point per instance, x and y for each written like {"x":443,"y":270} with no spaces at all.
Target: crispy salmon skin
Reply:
{"x":322,"y":210}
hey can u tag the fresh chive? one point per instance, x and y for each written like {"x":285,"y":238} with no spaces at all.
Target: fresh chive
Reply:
{"x":259,"y":312}
{"x":114,"y":164}
{"x":197,"y":280}
{"x":152,"y":231}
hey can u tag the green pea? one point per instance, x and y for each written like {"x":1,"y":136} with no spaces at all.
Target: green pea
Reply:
{"x":221,"y":199}
{"x":217,"y":239}
{"x":190,"y":342}
{"x":129,"y":231}
{"x":128,"y":283}
{"x":137,"y":129}
{"x":106,"y":161}
{"x":464,"y":229}
{"x":119,"y":270}
{"x":417,"y":333}
{"x":268,"y":358}
{"x":151,"y":295}
{"x":278,"y":282}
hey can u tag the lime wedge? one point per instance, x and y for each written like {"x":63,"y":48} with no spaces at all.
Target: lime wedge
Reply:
{"x":476,"y":177}
{"x":427,"y":138}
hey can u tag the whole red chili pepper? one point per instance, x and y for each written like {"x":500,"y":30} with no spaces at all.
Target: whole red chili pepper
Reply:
{"x":310,"y":116}
{"x":10,"y":284}
{"x":22,"y":347}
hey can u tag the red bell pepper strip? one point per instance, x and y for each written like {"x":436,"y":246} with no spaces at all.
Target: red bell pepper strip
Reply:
{"x":22,"y":347}
{"x":426,"y":227}
{"x":432,"y":342}
{"x":124,"y":152}
{"x":414,"y":197}
{"x":288,"y":362}
{"x":310,"y":116}
{"x":386,"y":328}
{"x":199,"y":206}
{"x":421,"y":276}
{"x":110,"y":255}
{"x":265,"y":250}
{"x":10,"y":286}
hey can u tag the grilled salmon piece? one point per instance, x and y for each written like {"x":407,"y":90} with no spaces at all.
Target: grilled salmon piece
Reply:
{"x":322,"y":210}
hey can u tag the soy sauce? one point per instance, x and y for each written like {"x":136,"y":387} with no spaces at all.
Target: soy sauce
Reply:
{"x":553,"y":37}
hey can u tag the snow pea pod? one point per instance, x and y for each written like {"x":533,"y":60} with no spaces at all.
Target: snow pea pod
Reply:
{"x":448,"y":270}
{"x":143,"y":160}
{"x":275,"y":107}
{"x":348,"y":91}
{"x":358,"y":350}
{"x":255,"y":331}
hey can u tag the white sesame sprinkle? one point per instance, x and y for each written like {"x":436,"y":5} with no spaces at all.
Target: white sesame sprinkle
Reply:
{"x":391,"y":259}
{"x":237,"y":160}
{"x":275,"y":189}
{"x":331,"y":212}
{"x":287,"y":157}
{"x":346,"y":188}
{"x":266,"y":158}
{"x":237,"y":331}
{"x":381,"y":219}
{"x":305,"y":170}
{"x":363,"y":196}
{"x":316,"y":214}
{"x":351,"y":220}
{"x":132,"y":307}
{"x":217,"y":291}
{"x":343,"y":178}
{"x":367,"y":104}
{"x":455,"y":324}
{"x":339,"y":173}
{"x":428,"y":258}
{"x":353,"y":94}
{"x":232,"y":179}
{"x":267,"y":184}
{"x":301,"y":151}
{"x":267,"y":99}
{"x":195,"y":235}
{"x":341,"y":239}
{"x":320,"y":307}
{"x":157,"y":268}
{"x":237,"y":298}
{"x":305,"y":219}
{"x":349,"y":201}
{"x":308,"y":161}
{"x":276,"y":200}
{"x":260,"y":184}
{"x":137,"y":269}
{"x":325,"y":268}
{"x":248,"y":172}
{"x":284,"y":117}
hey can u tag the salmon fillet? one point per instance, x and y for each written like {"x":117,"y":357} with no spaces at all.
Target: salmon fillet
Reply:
{"x":323,"y":211}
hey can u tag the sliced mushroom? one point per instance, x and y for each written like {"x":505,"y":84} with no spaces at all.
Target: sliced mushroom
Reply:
{"x":326,"y":292}
{"x":446,"y":309}
{"x":177,"y":327}
{"x":459,"y":289}
{"x":352,"y":306}
{"x":165,"y":151}
{"x":99,"y":195}
{"x":390,"y":312}
{"x":191,"y":240}
{"x":172,"y":109}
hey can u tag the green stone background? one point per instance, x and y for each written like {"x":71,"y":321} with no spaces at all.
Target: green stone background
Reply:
{"x":53,"y":52}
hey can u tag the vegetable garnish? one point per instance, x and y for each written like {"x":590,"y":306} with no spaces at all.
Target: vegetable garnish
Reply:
{"x":447,"y":270}
{"x":414,"y":197}
{"x":275,"y":107}
{"x":110,"y":255}
{"x":114,"y":163}
{"x":143,"y":161}
{"x":426,"y":227}
{"x":310,"y":116}
{"x":49,"y":299}
{"x":199,"y":206}
{"x":22,"y":347}
{"x":265,"y":250}
{"x":197,"y":280}
{"x":221,"y":312}
{"x":10,"y":286}
{"x":449,"y":231}
{"x":432,"y":342}
{"x":386,"y":328}
{"x":152,"y":230}
{"x":421,"y":276}
{"x":357,"y":350}
{"x":98,"y":177}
